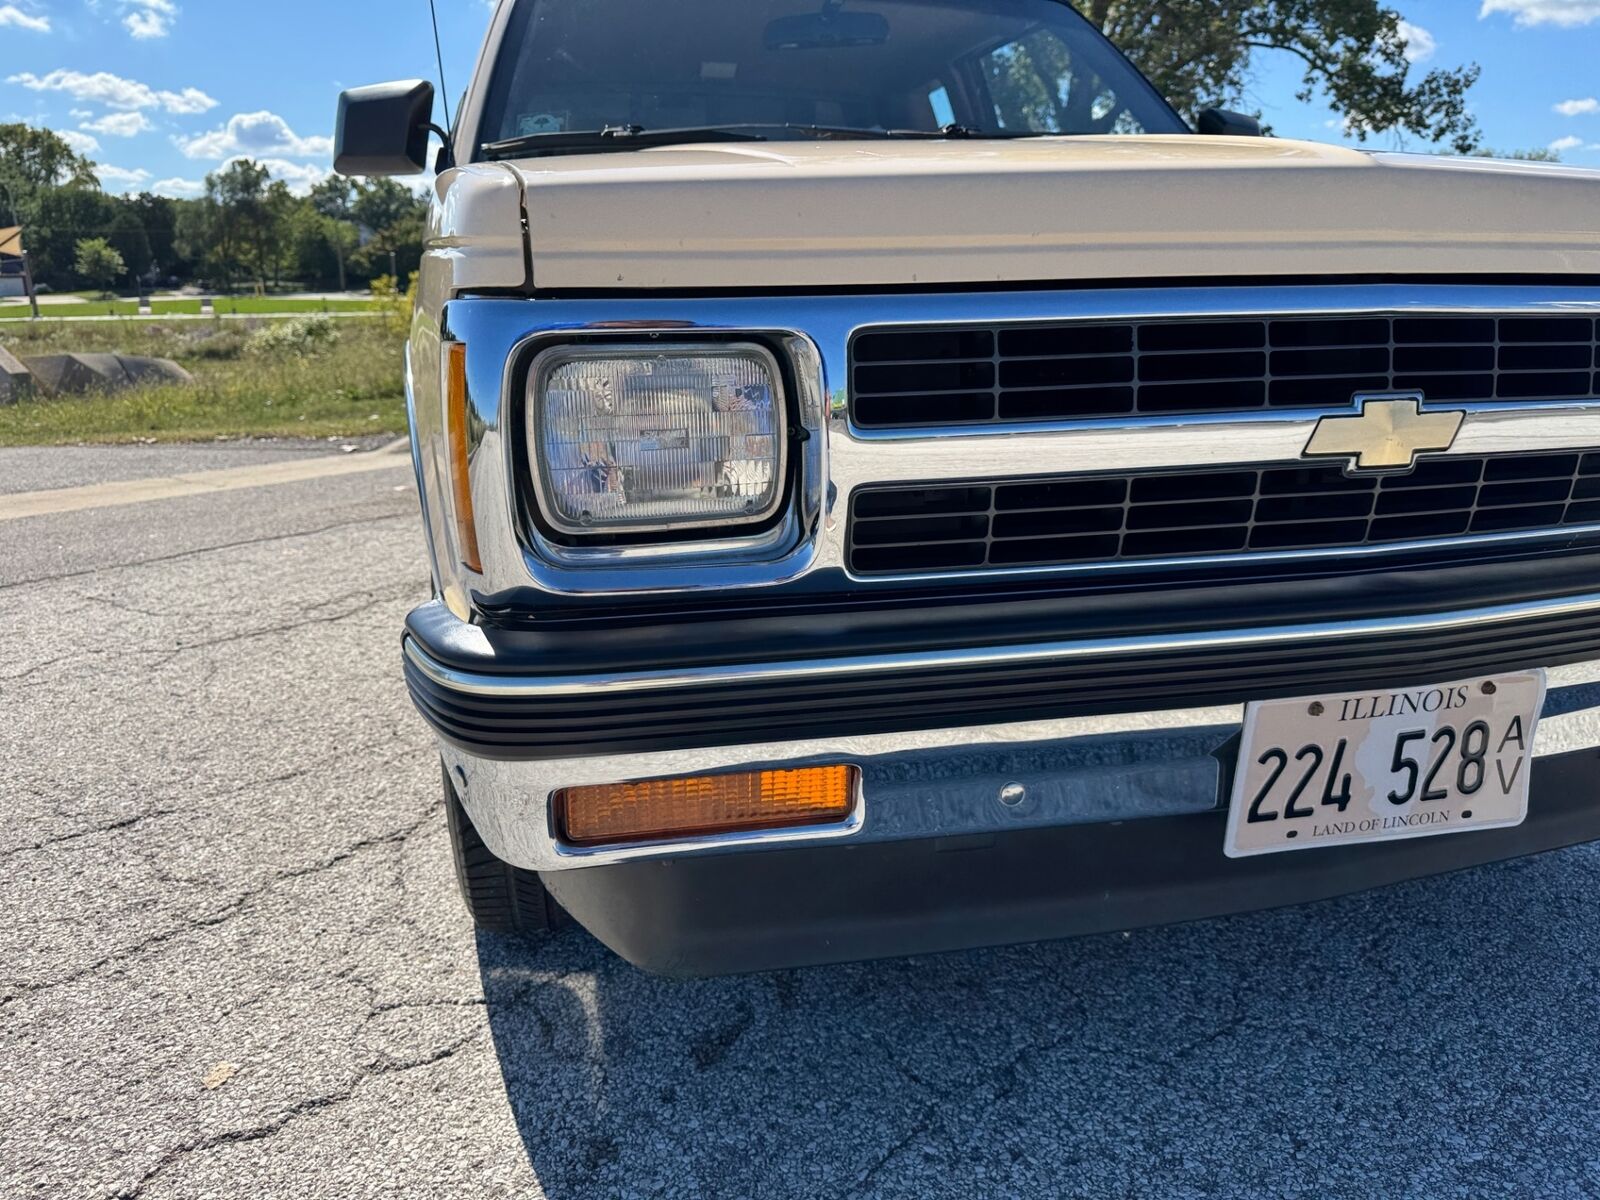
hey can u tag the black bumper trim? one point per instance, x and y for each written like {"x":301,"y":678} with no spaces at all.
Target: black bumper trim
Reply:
{"x":690,"y":713}
{"x":764,"y":911}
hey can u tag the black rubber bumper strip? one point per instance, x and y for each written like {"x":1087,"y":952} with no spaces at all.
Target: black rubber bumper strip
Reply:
{"x":760,"y":911}
{"x":725,"y":710}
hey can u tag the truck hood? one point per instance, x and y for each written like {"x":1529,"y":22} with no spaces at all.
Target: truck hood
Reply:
{"x":896,"y":213}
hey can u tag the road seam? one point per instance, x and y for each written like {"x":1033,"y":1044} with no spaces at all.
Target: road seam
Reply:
{"x":20,"y":505}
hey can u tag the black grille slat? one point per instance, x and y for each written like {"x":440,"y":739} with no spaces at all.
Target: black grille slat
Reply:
{"x":910,"y":377}
{"x":1128,"y":518}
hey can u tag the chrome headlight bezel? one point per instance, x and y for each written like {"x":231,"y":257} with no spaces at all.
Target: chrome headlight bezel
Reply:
{"x":559,"y":529}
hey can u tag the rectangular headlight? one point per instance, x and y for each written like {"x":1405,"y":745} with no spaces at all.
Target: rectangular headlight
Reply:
{"x":651,"y":439}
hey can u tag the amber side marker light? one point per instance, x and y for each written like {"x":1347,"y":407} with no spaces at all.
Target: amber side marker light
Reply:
{"x":460,"y":481}
{"x":607,"y":814}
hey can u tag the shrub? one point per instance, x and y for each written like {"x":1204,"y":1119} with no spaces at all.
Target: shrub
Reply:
{"x":300,"y":337}
{"x":396,"y":306}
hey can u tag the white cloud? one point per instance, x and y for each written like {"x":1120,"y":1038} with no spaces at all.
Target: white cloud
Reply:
{"x":11,"y":15}
{"x":300,"y":177}
{"x":1566,"y":143}
{"x":1420,"y":44}
{"x":179,"y":189}
{"x":1567,"y":13}
{"x":114,"y":91}
{"x":187,"y":102}
{"x":121,"y":124}
{"x":146,"y":19}
{"x":121,"y":176}
{"x":255,"y":135}
{"x":1578,"y":108}
{"x":81,"y":143}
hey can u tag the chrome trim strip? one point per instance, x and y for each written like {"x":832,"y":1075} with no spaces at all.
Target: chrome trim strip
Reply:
{"x":982,"y":656}
{"x":816,"y":333}
{"x":509,"y":801}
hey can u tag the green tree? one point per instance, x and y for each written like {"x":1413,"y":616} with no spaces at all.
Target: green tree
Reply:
{"x":380,"y":203}
{"x":274,"y":232}
{"x":158,"y":217}
{"x":1199,"y":53}
{"x":192,"y":226}
{"x":99,"y":263}
{"x":391,"y":217}
{"x":331,"y":201}
{"x":33,"y":161}
{"x":60,"y":218}
{"x":125,"y":231}
{"x":233,"y":224}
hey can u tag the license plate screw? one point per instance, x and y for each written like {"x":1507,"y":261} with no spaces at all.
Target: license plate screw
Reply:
{"x":1489,"y":688}
{"x":1316,"y":708}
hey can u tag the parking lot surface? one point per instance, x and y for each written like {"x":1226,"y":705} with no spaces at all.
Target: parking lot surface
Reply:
{"x":233,"y":961}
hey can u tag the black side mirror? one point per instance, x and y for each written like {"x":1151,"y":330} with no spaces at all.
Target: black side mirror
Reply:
{"x":1219,"y":122}
{"x":383,"y":129}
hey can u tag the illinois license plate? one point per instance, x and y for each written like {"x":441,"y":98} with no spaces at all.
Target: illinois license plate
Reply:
{"x":1374,"y":766}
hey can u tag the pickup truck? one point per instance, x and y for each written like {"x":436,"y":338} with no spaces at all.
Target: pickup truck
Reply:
{"x":893,"y":485}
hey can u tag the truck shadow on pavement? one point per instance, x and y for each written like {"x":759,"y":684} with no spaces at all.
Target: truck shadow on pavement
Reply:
{"x":1428,"y":1039}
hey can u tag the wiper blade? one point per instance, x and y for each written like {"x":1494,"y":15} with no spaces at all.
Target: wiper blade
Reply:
{"x":636,"y":137}
{"x":612,"y":137}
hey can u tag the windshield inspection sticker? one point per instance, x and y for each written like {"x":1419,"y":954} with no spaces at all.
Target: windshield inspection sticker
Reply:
{"x":530,"y":123}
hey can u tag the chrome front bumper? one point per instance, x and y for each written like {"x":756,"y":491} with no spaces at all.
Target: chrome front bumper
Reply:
{"x":968,"y":782}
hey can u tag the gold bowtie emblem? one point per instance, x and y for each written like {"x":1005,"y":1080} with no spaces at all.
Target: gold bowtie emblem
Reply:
{"x":1387,"y":434}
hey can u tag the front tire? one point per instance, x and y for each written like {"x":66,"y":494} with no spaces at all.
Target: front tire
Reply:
{"x":500,"y":897}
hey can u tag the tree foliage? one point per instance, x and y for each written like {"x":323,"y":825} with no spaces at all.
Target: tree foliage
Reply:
{"x":33,"y":161}
{"x":99,"y":262}
{"x":1199,"y":53}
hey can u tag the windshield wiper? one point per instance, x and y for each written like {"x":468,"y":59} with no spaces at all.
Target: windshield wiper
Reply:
{"x":612,"y":137}
{"x":636,"y":137}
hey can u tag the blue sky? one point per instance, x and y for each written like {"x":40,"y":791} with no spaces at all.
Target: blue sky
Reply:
{"x":159,"y":92}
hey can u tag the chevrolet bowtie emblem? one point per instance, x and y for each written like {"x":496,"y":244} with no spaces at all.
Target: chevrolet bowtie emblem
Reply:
{"x":1386,"y":435}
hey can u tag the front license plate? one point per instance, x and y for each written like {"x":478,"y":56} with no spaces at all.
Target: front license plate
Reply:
{"x":1373,"y":766}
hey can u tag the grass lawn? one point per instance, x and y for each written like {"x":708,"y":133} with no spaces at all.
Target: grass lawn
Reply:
{"x":252,"y":305}
{"x":348,"y":382}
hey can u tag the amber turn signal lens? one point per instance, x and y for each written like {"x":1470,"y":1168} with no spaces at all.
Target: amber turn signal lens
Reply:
{"x":676,"y":808}
{"x":460,"y":481}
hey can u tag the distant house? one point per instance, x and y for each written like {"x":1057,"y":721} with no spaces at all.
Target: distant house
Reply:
{"x":11,"y":262}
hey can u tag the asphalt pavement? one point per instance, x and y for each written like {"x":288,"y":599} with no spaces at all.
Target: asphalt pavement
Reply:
{"x":232,"y":960}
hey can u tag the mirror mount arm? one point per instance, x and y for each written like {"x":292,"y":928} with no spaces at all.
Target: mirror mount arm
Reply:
{"x":447,"y":152}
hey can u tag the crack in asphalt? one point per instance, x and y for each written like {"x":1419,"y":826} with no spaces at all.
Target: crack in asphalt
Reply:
{"x":922,"y":1126}
{"x":226,"y":912}
{"x":77,"y":834}
{"x":265,"y":539}
{"x":294,"y":1112}
{"x":306,"y":768}
{"x":158,"y":657}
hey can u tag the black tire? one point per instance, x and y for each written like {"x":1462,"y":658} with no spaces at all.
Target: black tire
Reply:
{"x":500,"y":897}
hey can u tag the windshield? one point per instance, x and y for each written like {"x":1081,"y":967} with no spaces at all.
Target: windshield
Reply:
{"x":1000,"y":67}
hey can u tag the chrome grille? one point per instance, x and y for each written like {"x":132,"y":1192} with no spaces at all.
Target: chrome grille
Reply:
{"x":909,"y":376}
{"x":1180,"y":514}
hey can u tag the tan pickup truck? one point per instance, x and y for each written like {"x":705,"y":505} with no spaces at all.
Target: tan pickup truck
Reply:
{"x":892,"y":485}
